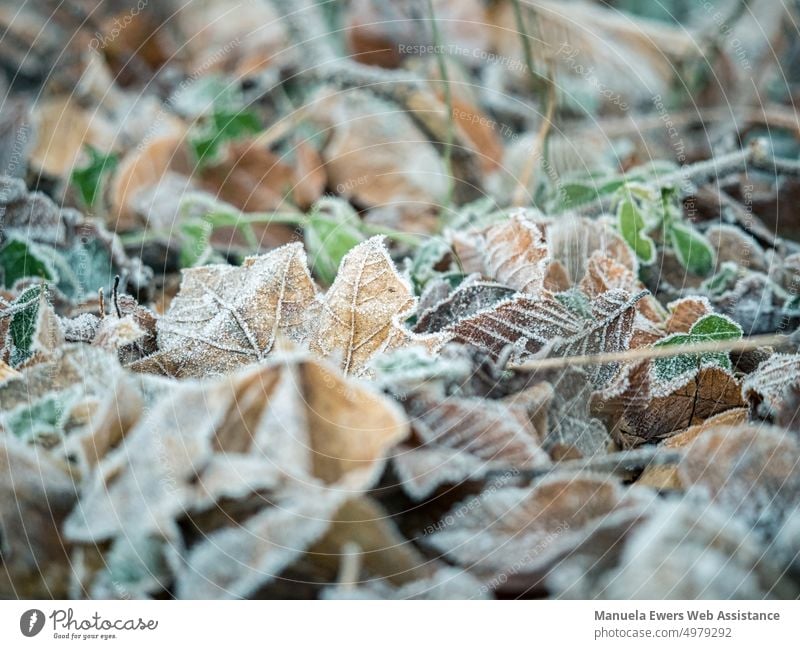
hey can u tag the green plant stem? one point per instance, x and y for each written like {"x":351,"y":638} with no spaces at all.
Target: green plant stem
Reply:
{"x":223,"y":218}
{"x":448,"y":101}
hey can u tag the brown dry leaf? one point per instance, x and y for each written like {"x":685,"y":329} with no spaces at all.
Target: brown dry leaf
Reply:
{"x":479,"y":133}
{"x":666,"y":477}
{"x":292,"y":426}
{"x":639,"y":410}
{"x":226,"y":316}
{"x":360,"y":314}
{"x":750,"y":471}
{"x":516,"y":254}
{"x":254,"y":179}
{"x":385,"y":553}
{"x":527,"y":528}
{"x":466,"y":300}
{"x":63,"y":127}
{"x":525,"y":323}
{"x":216,"y":37}
{"x":461,"y":440}
{"x":377,"y":156}
{"x":286,"y":443}
{"x":139,"y":171}
{"x":767,"y":388}
{"x":684,"y":552}
{"x":572,"y":240}
{"x":36,"y":494}
{"x":685,"y":312}
{"x":7,"y":372}
{"x":604,"y":273}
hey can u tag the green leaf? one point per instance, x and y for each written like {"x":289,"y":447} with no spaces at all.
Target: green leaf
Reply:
{"x":42,"y":418}
{"x":632,"y":227}
{"x":226,"y":124}
{"x":19,"y":259}
{"x":674,"y":340}
{"x":692,"y":249}
{"x":328,"y":241}
{"x":715,"y":327}
{"x":712,"y":327}
{"x":24,"y":312}
{"x":575,"y":194}
{"x":195,"y":247}
{"x":89,"y":178}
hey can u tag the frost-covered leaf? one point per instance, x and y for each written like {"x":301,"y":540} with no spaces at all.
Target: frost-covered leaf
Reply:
{"x":461,"y":440}
{"x":523,"y":529}
{"x":604,"y":273}
{"x":709,"y":328}
{"x":226,"y":316}
{"x":573,"y":431}
{"x":752,"y":472}
{"x":639,"y":408}
{"x":681,"y":551}
{"x":515,"y":254}
{"x":524,"y":323}
{"x":466,"y":300}
{"x":685,"y":312}
{"x":286,"y":444}
{"x":766,"y":388}
{"x":274,"y":428}
{"x":22,"y":316}
{"x":359,"y":314}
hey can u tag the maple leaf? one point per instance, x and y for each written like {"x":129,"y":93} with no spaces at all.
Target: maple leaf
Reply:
{"x":227,"y":316}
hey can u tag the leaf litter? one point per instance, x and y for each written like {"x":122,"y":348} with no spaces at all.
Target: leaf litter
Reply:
{"x":288,"y":331}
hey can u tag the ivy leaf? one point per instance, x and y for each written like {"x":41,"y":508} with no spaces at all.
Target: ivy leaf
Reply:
{"x":24,"y":312}
{"x":19,"y":259}
{"x":692,"y":249}
{"x":89,"y":178}
{"x":632,"y":227}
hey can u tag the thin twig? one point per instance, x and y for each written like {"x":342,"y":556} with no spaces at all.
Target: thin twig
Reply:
{"x":625,"y":462}
{"x":644,"y":353}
